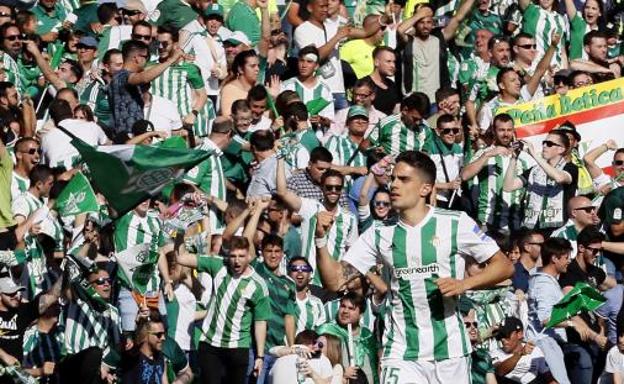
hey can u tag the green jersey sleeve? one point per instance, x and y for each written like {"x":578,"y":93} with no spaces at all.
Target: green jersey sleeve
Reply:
{"x":209,"y":264}
{"x":194,"y":76}
{"x":261,"y":309}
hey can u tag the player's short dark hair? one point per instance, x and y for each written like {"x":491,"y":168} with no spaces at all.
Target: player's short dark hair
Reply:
{"x":421,"y":162}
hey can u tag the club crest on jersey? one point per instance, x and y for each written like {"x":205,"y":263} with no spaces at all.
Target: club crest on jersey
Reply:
{"x":435,"y":241}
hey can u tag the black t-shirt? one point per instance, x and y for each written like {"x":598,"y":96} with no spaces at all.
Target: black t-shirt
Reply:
{"x":139,"y":369}
{"x":594,"y":277}
{"x":386,"y":99}
{"x":12,"y":326}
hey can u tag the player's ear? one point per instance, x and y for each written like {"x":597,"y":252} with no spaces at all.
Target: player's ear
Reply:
{"x":426,"y":189}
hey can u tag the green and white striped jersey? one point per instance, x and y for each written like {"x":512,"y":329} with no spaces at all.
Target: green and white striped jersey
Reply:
{"x":320,"y":90}
{"x":395,"y":137}
{"x":177,"y":84}
{"x":19,"y":185}
{"x":367,"y":320}
{"x":342,"y":148}
{"x":568,"y":232}
{"x":210,"y":178}
{"x":421,"y":324}
{"x":310,"y":313}
{"x":26,"y":204}
{"x":342,"y":234}
{"x":85,"y":327}
{"x":181,"y":316}
{"x":12,"y":71}
{"x":541,"y":23}
{"x":495,"y":207}
{"x":132,"y":230}
{"x":95,"y":95}
{"x":236,"y":302}
{"x":453,"y":158}
{"x":491,"y":307}
{"x":40,"y":347}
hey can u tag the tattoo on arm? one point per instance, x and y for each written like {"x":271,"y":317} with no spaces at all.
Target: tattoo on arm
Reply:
{"x":349,"y":273}
{"x":51,"y":296}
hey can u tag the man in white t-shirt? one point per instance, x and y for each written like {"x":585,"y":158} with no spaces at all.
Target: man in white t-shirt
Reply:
{"x":518,"y":361}
{"x":56,"y":148}
{"x":614,"y":366}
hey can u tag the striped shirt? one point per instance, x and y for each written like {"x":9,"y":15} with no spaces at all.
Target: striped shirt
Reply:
{"x":12,"y":71}
{"x":342,"y":234}
{"x":395,"y":137}
{"x":342,"y":148}
{"x":86,"y":327}
{"x":497,"y":208}
{"x":132,"y":230}
{"x":320,"y":90}
{"x":40,"y":347}
{"x":236,"y":302}
{"x":95,"y":95}
{"x":422,"y":324}
{"x":310,"y":313}
{"x":19,"y":185}
{"x":181,"y":316}
{"x":541,"y":23}
{"x":177,"y":83}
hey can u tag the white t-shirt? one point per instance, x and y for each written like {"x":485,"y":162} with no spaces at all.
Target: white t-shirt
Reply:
{"x":57,"y":149}
{"x":185,"y":318}
{"x":615,"y":361}
{"x":284,"y":371}
{"x":527,"y":368}
{"x":164,"y":114}
{"x":309,"y":34}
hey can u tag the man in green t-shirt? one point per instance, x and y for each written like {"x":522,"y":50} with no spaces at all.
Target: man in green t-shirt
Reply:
{"x":242,"y":17}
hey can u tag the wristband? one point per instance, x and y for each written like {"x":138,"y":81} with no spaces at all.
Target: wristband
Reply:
{"x":321,"y":242}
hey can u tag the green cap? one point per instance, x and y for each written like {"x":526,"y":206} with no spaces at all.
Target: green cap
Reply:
{"x":357,"y":110}
{"x":612,"y":209}
{"x":214,"y":9}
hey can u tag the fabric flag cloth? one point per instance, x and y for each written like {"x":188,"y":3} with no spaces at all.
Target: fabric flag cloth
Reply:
{"x":130,"y":174}
{"x":136,"y":266}
{"x":315,"y":106}
{"x":582,"y":298}
{"x":77,"y":197}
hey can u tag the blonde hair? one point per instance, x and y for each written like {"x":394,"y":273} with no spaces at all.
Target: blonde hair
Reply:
{"x":334,"y":349}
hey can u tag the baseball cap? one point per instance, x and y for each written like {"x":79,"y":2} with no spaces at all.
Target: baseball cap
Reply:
{"x":568,"y":127}
{"x":357,"y":110}
{"x":214,"y":9}
{"x":612,"y":205}
{"x":88,"y":41}
{"x":508,"y":326}
{"x":135,"y":5}
{"x":142,"y":126}
{"x":237,"y":38}
{"x":8,"y":286}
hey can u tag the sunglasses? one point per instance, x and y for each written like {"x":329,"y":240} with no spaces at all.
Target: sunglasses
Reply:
{"x":594,"y":251}
{"x":13,"y":294}
{"x":528,"y":46}
{"x":13,"y":37}
{"x":141,"y":37}
{"x":447,"y":131}
{"x":159,"y":335}
{"x":469,"y":324}
{"x":300,"y":268}
{"x":32,"y":151}
{"x":4,"y":14}
{"x":276,"y":32}
{"x":618,"y":162}
{"x":586,"y":209}
{"x":538,"y":244}
{"x":550,"y":143}
{"x":102,"y":281}
{"x":333,"y":188}
{"x":380,"y":204}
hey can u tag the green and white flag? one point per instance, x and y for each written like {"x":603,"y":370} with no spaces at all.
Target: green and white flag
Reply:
{"x":129,"y":174}
{"x":136,"y":266}
{"x":77,"y":197}
{"x":581,"y":298}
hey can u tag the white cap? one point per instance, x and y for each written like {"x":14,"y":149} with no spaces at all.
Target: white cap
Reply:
{"x":8,"y":286}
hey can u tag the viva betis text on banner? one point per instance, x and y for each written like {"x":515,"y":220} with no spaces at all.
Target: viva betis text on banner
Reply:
{"x":596,"y":110}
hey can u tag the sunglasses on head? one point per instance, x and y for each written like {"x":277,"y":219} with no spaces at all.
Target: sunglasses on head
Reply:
{"x":300,"y":268}
{"x":618,"y":162}
{"x":333,"y":188}
{"x":32,"y":151}
{"x":102,"y":281}
{"x":381,"y":203}
{"x":469,"y":324}
{"x":586,"y":209}
{"x":550,"y":143}
{"x":447,"y":131}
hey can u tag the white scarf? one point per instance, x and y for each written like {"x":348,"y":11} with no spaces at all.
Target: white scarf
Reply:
{"x":544,"y":203}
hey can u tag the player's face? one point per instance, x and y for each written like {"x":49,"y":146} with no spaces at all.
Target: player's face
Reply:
{"x":407,"y":188}
{"x":272,"y":255}
{"x":332,"y":188}
{"x":301,"y":273}
{"x":238,"y":261}
{"x":348,"y":313}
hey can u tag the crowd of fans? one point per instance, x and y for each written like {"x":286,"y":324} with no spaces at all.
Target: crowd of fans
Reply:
{"x":367,"y":214}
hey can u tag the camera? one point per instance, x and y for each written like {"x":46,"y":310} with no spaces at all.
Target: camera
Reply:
{"x":517,"y":146}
